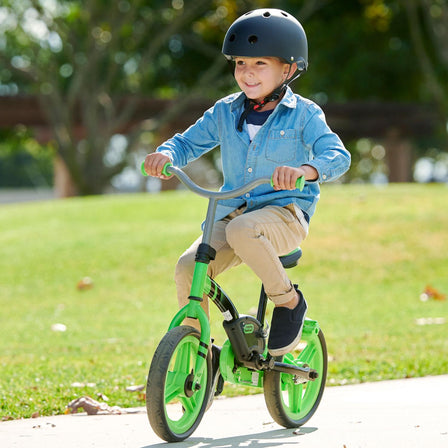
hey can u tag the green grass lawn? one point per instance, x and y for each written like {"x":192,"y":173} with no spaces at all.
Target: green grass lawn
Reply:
{"x":370,"y":254}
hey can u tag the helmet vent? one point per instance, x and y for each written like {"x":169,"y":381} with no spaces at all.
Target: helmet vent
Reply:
{"x":267,"y":14}
{"x":284,"y":14}
{"x":252,"y":39}
{"x":232,"y":38}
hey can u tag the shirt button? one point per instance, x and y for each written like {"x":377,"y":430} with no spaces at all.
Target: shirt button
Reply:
{"x":282,"y":133}
{"x":247,"y":195}
{"x":324,"y":176}
{"x":249,"y":170}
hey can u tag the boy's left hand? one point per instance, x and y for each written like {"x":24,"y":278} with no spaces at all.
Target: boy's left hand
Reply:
{"x":285,"y":177}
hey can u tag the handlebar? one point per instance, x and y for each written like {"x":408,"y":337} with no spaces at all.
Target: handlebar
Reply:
{"x":169,"y":170}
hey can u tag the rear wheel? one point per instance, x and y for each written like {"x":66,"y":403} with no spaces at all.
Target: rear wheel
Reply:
{"x":174,"y":409}
{"x":291,"y":404}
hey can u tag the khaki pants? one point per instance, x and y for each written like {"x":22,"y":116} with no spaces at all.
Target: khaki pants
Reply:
{"x":255,"y":238}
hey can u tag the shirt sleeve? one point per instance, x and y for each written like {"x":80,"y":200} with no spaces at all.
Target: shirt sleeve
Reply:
{"x":329,"y":156}
{"x":198,"y":139}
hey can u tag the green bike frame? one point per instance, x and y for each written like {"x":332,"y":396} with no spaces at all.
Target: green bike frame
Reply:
{"x":202,"y":284}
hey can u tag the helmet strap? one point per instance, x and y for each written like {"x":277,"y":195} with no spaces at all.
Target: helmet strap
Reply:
{"x":250,"y":105}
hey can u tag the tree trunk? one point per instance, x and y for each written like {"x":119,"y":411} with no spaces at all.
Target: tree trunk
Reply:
{"x":399,"y":157}
{"x":63,"y":182}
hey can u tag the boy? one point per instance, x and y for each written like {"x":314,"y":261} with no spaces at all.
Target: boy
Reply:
{"x":263,"y":130}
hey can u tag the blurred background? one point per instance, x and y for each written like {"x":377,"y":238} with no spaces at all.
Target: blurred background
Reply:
{"x":88,"y":88}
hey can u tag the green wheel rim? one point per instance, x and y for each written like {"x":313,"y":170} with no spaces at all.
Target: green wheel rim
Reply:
{"x":299,"y":399}
{"x":182,"y":411}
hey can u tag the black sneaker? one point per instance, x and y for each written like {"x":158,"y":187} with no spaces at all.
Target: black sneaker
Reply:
{"x":217,"y":380}
{"x":286,"y":327}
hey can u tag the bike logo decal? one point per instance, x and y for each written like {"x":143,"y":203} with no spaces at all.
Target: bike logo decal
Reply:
{"x":248,"y":328}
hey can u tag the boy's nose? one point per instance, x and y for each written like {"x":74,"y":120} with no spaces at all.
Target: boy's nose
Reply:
{"x":249,"y":72}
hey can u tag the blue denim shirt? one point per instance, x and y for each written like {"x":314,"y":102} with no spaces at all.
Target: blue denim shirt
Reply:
{"x":296,"y":133}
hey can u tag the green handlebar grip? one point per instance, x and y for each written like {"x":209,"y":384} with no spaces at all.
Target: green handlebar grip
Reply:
{"x":142,"y":169}
{"x":300,"y":183}
{"x":164,"y":172}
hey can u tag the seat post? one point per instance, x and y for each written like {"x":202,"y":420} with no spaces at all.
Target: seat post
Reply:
{"x":262,"y":304}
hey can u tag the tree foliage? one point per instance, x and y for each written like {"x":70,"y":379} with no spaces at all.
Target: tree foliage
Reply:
{"x":428,"y":26}
{"x":83,"y":58}
{"x":23,"y":162}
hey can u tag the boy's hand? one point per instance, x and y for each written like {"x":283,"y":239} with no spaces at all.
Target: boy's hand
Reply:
{"x":154,"y":164}
{"x":285,"y":177}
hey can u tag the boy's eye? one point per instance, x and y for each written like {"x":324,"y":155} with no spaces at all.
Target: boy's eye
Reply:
{"x":256,"y":62}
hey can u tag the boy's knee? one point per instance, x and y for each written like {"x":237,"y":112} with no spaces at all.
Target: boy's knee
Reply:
{"x":185,"y":265}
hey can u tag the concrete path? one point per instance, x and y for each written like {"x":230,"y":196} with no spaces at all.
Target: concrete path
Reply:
{"x":389,"y":414}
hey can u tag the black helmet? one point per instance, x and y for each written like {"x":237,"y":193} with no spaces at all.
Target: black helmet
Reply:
{"x":267,"y":33}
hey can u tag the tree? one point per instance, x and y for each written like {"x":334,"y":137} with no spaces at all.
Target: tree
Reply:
{"x":383,"y":51}
{"x":88,"y":62}
{"x":428,"y":25}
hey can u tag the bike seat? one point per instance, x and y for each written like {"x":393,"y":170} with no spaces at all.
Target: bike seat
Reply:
{"x":290,"y":260}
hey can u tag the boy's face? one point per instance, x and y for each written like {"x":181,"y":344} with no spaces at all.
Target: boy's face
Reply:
{"x":258,"y":77}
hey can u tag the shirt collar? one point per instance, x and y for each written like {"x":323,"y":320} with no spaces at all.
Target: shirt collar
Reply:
{"x":289,"y":99}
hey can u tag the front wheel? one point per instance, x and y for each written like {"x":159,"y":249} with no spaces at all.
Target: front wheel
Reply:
{"x":174,"y":410}
{"x":291,"y":404}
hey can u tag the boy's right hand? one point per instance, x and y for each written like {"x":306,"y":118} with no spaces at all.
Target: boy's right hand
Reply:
{"x":154,"y":164}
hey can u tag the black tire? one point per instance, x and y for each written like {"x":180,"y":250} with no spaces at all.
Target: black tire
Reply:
{"x":174,"y":413}
{"x":290,"y":404}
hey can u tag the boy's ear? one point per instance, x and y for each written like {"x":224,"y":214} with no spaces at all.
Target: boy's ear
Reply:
{"x":291,"y":70}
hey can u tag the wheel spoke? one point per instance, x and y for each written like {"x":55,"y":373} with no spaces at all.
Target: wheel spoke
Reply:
{"x":183,"y":358}
{"x":188,"y":405}
{"x":293,"y":392}
{"x":174,"y":386}
{"x":295,"y":397}
{"x":308,"y":353}
{"x":178,"y":373}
